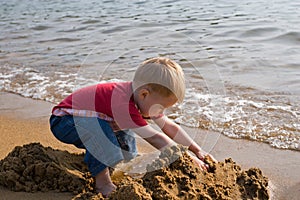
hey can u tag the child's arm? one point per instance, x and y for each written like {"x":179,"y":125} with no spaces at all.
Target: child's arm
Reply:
{"x":154,"y":137}
{"x":175,"y":132}
{"x":160,"y":141}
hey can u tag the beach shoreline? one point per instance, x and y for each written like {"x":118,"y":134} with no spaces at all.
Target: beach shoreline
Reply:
{"x":25,"y":120}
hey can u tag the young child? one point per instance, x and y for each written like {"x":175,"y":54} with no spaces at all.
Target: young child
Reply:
{"x":103,"y":118}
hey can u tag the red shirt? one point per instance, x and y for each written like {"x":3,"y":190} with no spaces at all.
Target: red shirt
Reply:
{"x":113,"y":99}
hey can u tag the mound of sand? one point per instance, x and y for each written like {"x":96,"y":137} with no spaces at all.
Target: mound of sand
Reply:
{"x":32,"y":168}
{"x":184,"y":180}
{"x":35,"y":168}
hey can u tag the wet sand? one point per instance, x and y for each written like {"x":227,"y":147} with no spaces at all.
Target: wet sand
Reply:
{"x":25,"y":121}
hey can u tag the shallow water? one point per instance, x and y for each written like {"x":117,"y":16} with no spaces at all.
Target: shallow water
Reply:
{"x":240,"y":58}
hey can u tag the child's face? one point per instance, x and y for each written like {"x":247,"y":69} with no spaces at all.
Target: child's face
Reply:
{"x":152,"y":104}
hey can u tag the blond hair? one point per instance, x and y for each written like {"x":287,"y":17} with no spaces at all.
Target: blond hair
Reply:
{"x":162,"y":75}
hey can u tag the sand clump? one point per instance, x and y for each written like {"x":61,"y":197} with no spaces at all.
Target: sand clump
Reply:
{"x":172,"y":176}
{"x":182,"y":179}
{"x":33,"y":168}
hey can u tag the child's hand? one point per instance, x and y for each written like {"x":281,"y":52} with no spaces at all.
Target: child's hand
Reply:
{"x":200,"y":163}
{"x":199,"y":159}
{"x":202,"y":154}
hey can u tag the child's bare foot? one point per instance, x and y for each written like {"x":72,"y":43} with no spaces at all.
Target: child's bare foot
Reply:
{"x":104,"y":185}
{"x":106,"y":189}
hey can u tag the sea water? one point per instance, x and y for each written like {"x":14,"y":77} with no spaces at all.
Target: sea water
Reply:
{"x":240,"y":58}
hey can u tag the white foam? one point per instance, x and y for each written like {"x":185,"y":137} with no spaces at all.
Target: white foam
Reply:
{"x":233,"y":116}
{"x":237,"y":117}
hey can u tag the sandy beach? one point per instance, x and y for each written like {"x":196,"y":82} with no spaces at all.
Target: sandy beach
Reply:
{"x":241,"y":66}
{"x":25,"y":121}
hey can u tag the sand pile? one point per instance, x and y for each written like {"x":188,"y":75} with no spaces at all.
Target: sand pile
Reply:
{"x":33,"y":168}
{"x":183,"y":180}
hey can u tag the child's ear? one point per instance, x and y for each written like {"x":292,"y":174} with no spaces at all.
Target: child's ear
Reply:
{"x":143,"y":93}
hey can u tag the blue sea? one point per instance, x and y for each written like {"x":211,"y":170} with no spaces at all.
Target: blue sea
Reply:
{"x":241,"y":58}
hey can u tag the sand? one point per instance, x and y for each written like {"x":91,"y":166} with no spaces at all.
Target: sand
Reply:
{"x":33,"y":168}
{"x":25,"y":121}
{"x":182,"y":179}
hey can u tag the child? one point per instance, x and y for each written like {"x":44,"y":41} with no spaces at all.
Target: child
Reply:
{"x":103,"y":118}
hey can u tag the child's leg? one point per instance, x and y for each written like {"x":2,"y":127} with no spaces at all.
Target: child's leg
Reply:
{"x":100,"y":172}
{"x":102,"y":151}
{"x":104,"y":184}
{"x":100,"y":142}
{"x":63,"y":128}
{"x":127,"y":142}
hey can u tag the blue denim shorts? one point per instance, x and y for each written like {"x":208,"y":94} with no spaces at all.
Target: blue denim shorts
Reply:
{"x":104,"y":148}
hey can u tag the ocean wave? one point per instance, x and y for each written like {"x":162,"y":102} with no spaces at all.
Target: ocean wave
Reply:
{"x":292,"y":37}
{"x":60,"y":40}
{"x":264,"y":119}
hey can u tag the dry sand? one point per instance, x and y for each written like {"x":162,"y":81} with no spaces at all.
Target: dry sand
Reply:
{"x":25,"y":121}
